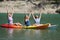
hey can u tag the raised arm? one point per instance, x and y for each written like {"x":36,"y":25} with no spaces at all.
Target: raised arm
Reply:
{"x":30,"y":11}
{"x":29,"y":15}
{"x":39,"y":15}
{"x":12,"y":11}
{"x":33,"y":16}
{"x":7,"y":9}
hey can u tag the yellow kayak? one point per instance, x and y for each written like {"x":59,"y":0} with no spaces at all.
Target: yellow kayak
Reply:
{"x":43,"y":26}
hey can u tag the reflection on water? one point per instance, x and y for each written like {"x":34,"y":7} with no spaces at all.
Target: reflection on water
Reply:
{"x":10,"y":33}
{"x":30,"y":34}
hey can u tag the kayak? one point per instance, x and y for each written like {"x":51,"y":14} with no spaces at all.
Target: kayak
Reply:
{"x":11,"y":26}
{"x":43,"y":26}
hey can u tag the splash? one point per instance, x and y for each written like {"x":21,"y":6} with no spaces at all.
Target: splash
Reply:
{"x":50,"y":25}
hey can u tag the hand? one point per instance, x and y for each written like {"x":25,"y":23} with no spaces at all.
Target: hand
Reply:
{"x":12,"y":10}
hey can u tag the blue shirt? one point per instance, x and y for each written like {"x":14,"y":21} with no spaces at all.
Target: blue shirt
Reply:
{"x":27,"y":23}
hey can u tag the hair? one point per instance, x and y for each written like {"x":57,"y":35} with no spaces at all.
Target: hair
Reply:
{"x":9,"y":14}
{"x":36,"y":16}
{"x":26,"y":17}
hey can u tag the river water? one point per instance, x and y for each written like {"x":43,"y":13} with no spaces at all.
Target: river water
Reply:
{"x":52,"y":33}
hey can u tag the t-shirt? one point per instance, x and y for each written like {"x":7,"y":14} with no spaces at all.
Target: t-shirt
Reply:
{"x":10,"y":20}
{"x":37,"y":20}
{"x":27,"y":22}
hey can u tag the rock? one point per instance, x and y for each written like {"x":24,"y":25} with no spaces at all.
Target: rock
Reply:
{"x":58,"y":11}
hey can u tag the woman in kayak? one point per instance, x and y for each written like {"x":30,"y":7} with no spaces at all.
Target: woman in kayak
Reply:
{"x":26,"y":20}
{"x":10,"y":18}
{"x":36,"y":19}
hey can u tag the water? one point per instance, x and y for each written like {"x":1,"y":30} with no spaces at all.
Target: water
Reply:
{"x":52,"y":33}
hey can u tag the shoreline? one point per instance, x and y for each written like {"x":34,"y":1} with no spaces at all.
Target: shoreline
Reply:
{"x":23,"y":7}
{"x":26,"y":13}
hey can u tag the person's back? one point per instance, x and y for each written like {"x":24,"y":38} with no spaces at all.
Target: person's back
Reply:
{"x":27,"y":21}
{"x":37,"y":20}
{"x":10,"y":19}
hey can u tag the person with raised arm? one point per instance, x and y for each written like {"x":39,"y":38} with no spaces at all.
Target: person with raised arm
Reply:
{"x":26,"y":20}
{"x":37,"y":19}
{"x":10,"y":17}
